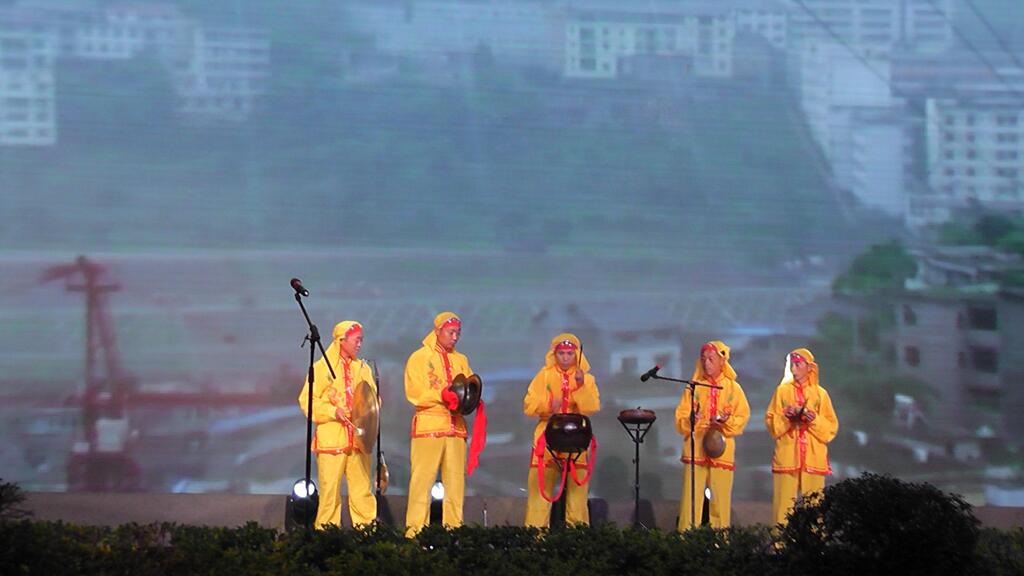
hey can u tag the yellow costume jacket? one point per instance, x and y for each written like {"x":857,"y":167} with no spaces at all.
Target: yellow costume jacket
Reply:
{"x":729,"y":399}
{"x":426,"y":376}
{"x":546,"y":386}
{"x":332,"y":435}
{"x":801,"y":446}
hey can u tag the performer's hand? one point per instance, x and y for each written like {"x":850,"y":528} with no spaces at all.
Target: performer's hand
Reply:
{"x":809,"y":415}
{"x":789,"y":412}
{"x":342,"y":414}
{"x":579,"y":378}
{"x":450,"y":399}
{"x":554,"y":402}
{"x":557,"y":405}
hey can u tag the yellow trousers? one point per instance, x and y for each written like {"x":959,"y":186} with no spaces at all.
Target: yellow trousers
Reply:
{"x":788,"y":487}
{"x":426,"y":455}
{"x":538,"y":510}
{"x":362,"y":505}
{"x":720,"y":506}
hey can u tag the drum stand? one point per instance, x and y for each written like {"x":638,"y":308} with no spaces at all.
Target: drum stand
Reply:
{"x":637,"y":429}
{"x":557,"y":518}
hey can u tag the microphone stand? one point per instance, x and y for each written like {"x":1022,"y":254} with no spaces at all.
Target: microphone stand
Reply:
{"x":380,"y":455}
{"x":314,"y":342}
{"x":693,"y":433}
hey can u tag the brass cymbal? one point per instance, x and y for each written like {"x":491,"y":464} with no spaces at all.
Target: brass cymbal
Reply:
{"x":714,"y":443}
{"x":365,"y":416}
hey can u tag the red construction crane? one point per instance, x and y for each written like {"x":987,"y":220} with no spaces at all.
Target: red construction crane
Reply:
{"x":101,"y":459}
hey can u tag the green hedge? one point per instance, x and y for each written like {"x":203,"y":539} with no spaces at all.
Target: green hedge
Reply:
{"x":56,"y":548}
{"x":870,"y":525}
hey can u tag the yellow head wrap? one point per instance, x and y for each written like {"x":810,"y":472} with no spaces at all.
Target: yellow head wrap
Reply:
{"x":341,"y":329}
{"x":812,"y":375}
{"x":581,"y":359}
{"x":430,"y":340}
{"x":723,"y":351}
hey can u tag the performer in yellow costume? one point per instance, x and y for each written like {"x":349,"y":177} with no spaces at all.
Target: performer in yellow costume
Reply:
{"x":728,"y":411}
{"x":438,"y":433}
{"x":802,"y":421}
{"x":337,"y":453}
{"x":563,"y":385}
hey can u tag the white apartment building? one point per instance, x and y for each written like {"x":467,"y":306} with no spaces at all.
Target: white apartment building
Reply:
{"x":112,"y":31}
{"x":926,"y":29}
{"x":144,"y":26}
{"x":857,"y":122}
{"x":27,"y":92}
{"x":226,"y":71}
{"x":874,"y":26}
{"x":604,"y":39}
{"x":103,"y":38}
{"x":880,"y":144}
{"x":975,"y":152}
{"x":766,"y":19}
{"x":972,"y":146}
{"x":215,"y":71}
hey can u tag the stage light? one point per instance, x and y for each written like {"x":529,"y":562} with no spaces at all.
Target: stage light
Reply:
{"x":300,"y":510}
{"x":436,"y":503}
{"x":302,"y":489}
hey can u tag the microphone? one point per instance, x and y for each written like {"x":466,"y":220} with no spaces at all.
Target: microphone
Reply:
{"x":650,"y":373}
{"x":298,"y":287}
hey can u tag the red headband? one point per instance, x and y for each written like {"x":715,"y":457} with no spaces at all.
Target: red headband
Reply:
{"x":565,"y":345}
{"x":710,"y":346}
{"x":354,"y":329}
{"x":452,"y":321}
{"x":795,"y":358}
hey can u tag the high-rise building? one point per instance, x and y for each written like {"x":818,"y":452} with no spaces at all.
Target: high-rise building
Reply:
{"x":874,"y":26}
{"x":856,"y":121}
{"x":27,"y":52}
{"x":607,"y":40}
{"x":768,"y":19}
{"x":225,"y":73}
{"x":976,"y":152}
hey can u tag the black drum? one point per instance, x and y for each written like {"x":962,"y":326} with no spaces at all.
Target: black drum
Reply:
{"x":468,"y":389}
{"x":568,"y":433}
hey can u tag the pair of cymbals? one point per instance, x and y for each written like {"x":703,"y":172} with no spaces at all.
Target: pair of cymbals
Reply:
{"x":468,"y":389}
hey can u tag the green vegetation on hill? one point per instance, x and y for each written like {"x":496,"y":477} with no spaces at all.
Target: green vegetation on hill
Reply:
{"x":415,"y":164}
{"x":497,"y":158}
